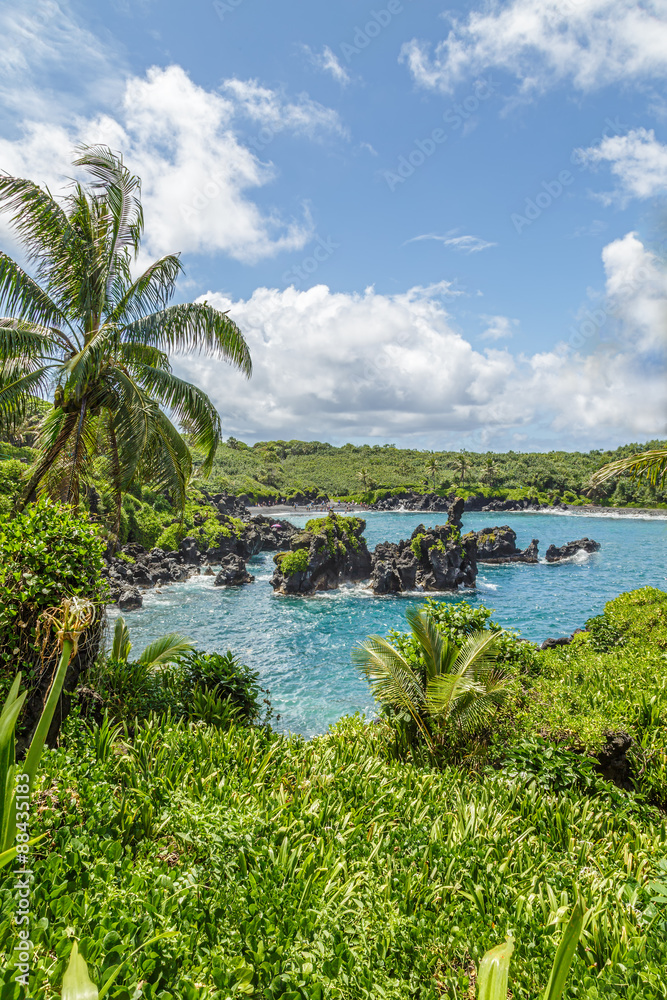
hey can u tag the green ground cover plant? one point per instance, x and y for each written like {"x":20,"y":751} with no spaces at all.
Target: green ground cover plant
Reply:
{"x":327,"y":869}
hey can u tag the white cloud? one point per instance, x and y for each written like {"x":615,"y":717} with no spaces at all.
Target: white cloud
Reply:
{"x":541,"y":42}
{"x":498,"y":327}
{"x":338,"y":366}
{"x":466,"y":244}
{"x":267,"y":107}
{"x":327,"y":62}
{"x":196,"y":171}
{"x":41,"y":42}
{"x":638,"y":161}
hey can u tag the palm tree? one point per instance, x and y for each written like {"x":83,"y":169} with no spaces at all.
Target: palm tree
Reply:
{"x":461,"y":466}
{"x":87,"y":334}
{"x":490,"y":472}
{"x":364,"y":477}
{"x":648,"y":465}
{"x":462,"y":685}
{"x":432,"y":467}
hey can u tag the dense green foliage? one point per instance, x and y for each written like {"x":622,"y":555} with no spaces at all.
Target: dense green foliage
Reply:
{"x":47,"y":553}
{"x":92,"y":340}
{"x":215,"y":688}
{"x":326,"y":869}
{"x":280,"y":468}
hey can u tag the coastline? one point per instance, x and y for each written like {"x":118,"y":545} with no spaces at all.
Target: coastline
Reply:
{"x":590,"y":510}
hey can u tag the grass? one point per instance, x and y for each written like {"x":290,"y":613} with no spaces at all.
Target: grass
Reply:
{"x":325,"y":869}
{"x":239,"y":863}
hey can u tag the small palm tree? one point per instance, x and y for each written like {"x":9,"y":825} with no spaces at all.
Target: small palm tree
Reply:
{"x":461,"y":465}
{"x":490,"y":472}
{"x":86,"y":334}
{"x":432,"y":467}
{"x":463,"y":685}
{"x":365,"y":478}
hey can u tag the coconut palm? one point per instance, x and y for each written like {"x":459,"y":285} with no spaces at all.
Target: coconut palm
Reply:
{"x":364,"y":475}
{"x":458,"y":684}
{"x":432,"y":467}
{"x":87,"y":334}
{"x":461,"y":465}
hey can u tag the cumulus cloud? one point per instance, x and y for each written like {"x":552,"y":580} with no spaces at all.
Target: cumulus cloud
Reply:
{"x":541,"y":42}
{"x":197,"y":173}
{"x":465,"y":244}
{"x":327,"y":62}
{"x":637,"y":160}
{"x":343,"y":366}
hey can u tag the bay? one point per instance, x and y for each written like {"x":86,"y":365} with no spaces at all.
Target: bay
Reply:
{"x":301,"y":646}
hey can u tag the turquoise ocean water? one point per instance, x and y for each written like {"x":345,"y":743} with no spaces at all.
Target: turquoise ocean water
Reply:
{"x":301,"y":646}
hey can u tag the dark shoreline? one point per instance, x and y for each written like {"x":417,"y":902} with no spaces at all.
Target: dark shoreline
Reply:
{"x":284,"y":510}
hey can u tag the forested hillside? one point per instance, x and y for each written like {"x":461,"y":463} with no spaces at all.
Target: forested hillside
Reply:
{"x":282,"y":467}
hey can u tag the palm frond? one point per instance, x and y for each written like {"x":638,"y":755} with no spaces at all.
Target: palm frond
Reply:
{"x":167,"y":649}
{"x":150,"y":292}
{"x":166,"y":461}
{"x":21,"y":296}
{"x":23,"y":339}
{"x":190,"y":405}
{"x":651,"y":465}
{"x":193,"y":327}
{"x":17,"y":392}
{"x":392,"y":679}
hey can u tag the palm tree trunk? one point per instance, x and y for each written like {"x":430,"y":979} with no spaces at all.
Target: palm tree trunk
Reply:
{"x":115,"y":476}
{"x":47,"y":461}
{"x":75,"y":457}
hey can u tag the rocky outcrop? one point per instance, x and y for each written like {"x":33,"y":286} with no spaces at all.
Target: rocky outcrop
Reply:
{"x":134,"y":569}
{"x":410,"y":500}
{"x":233,"y":573}
{"x":498,"y":545}
{"x":333,"y":551}
{"x":436,"y":559}
{"x":613,"y":763}
{"x":567,"y":551}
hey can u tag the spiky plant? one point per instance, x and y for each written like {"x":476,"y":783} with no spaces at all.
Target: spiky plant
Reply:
{"x":86,"y":333}
{"x":463,"y":685}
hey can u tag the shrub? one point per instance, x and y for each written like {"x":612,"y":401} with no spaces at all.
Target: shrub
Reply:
{"x":47,"y":553}
{"x":223,"y":675}
{"x":294,"y":562}
{"x":457,"y":621}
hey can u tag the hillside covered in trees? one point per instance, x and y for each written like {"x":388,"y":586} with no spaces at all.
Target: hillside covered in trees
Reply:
{"x":279,"y":468}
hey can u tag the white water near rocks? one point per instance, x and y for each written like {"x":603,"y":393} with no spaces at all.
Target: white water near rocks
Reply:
{"x":301,"y":646}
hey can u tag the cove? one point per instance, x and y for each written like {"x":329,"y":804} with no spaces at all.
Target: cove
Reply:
{"x":301,"y":645}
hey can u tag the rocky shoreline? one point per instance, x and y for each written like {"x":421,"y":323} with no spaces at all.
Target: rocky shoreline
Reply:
{"x":330,"y":552}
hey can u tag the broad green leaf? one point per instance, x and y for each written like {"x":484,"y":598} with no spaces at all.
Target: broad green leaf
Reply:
{"x":494,"y":971}
{"x":565,"y":953}
{"x":77,"y":984}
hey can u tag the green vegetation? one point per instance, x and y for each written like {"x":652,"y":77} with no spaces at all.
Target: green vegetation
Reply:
{"x":290,"y":563}
{"x":271,"y":469}
{"x":444,"y":685}
{"x":86,"y":328}
{"x":47,"y":554}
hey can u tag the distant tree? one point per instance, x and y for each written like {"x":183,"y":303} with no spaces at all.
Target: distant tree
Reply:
{"x":365,"y":478}
{"x":432,"y":467}
{"x":490,"y":472}
{"x":461,"y":465}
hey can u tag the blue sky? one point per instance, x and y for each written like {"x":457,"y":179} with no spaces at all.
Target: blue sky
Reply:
{"x":436,"y":228}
